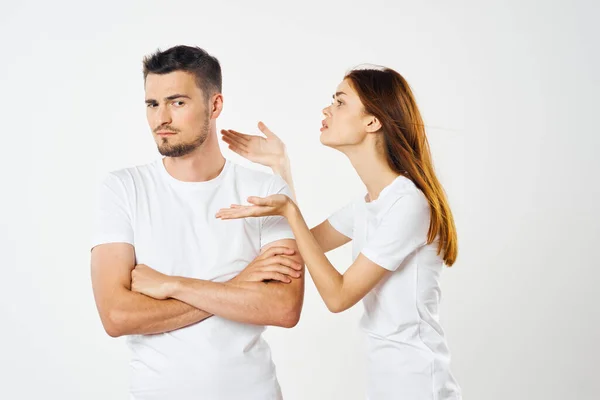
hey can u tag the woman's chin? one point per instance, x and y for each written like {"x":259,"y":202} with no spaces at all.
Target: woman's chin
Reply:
{"x":325,"y":140}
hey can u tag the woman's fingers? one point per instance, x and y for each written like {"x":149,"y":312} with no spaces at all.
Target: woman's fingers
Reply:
{"x":235,"y":135}
{"x":264,"y":129}
{"x":238,"y":135}
{"x":243,"y":212}
{"x":258,"y":201}
{"x":234,"y":141}
{"x":239,"y":151}
{"x":241,"y":140}
{"x":262,"y":206}
{"x":234,"y":146}
{"x":227,"y":215}
{"x":233,"y":213}
{"x":245,"y":137}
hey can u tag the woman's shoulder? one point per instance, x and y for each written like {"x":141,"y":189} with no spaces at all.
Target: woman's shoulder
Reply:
{"x":404,"y":196}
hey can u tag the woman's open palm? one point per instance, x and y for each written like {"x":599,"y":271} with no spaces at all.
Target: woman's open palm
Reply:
{"x":268,"y":151}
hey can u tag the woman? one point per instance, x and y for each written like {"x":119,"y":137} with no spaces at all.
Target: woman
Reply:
{"x":402,"y":231}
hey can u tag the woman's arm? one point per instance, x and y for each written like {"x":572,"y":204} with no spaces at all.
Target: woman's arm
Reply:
{"x":339,"y":291}
{"x":284,"y":169}
{"x":270,"y":151}
{"x":328,"y":237}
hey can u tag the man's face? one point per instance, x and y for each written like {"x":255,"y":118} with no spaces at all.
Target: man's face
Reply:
{"x":177,"y":112}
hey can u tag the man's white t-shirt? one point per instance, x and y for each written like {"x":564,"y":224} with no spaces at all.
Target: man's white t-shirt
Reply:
{"x":173,"y":228}
{"x":407,"y":355}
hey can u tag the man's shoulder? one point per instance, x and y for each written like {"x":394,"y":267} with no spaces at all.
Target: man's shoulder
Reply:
{"x":132,"y":175}
{"x":255,"y":178}
{"x":250,"y":173}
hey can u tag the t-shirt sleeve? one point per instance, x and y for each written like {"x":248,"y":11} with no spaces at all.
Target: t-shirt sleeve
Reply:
{"x":275,"y":227}
{"x":343,"y":220}
{"x":402,"y":230}
{"x":112,"y":222}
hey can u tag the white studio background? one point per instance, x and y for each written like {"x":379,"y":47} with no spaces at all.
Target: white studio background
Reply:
{"x":508,"y":89}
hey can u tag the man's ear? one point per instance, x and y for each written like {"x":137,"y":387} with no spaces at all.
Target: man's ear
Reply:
{"x":216,"y":106}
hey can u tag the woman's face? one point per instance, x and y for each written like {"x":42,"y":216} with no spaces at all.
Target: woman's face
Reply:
{"x":345,"y":122}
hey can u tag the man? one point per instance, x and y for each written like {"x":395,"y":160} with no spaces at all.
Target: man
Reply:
{"x":162,"y":263}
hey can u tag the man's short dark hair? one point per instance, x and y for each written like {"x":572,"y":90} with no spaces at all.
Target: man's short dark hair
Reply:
{"x":195,"y":60}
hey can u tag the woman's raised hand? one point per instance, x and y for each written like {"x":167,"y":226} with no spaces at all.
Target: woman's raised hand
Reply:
{"x":268,"y":151}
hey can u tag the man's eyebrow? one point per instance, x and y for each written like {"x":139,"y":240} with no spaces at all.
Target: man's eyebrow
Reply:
{"x":172,"y":97}
{"x":177,"y":96}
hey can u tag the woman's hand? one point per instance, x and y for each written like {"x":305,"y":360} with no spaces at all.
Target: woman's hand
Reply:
{"x":268,"y":151}
{"x":276,"y":204}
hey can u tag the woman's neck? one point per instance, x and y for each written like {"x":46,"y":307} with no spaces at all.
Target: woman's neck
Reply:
{"x":372,"y":168}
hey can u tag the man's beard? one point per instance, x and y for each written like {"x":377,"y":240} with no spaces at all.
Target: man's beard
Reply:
{"x":182,"y":149}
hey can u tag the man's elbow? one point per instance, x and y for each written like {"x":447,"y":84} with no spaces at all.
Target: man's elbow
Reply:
{"x":289,"y":315}
{"x":112,"y":331}
{"x":114,"y":323}
{"x":290,"y":319}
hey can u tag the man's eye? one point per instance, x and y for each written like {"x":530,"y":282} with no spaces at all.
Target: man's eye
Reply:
{"x":178,"y":103}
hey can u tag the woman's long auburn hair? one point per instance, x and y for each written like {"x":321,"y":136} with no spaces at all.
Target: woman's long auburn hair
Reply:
{"x":386,"y":95}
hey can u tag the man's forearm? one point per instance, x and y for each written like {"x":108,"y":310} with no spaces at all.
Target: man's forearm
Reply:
{"x":135,"y":313}
{"x":256,"y":303}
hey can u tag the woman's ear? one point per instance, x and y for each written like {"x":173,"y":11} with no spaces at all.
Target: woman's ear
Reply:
{"x":373,"y":124}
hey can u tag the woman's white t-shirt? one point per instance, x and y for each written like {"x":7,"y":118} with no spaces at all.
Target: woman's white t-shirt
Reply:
{"x":407,"y":354}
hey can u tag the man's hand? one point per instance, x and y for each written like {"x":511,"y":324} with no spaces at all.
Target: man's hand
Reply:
{"x":272,"y":265}
{"x":150,"y":282}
